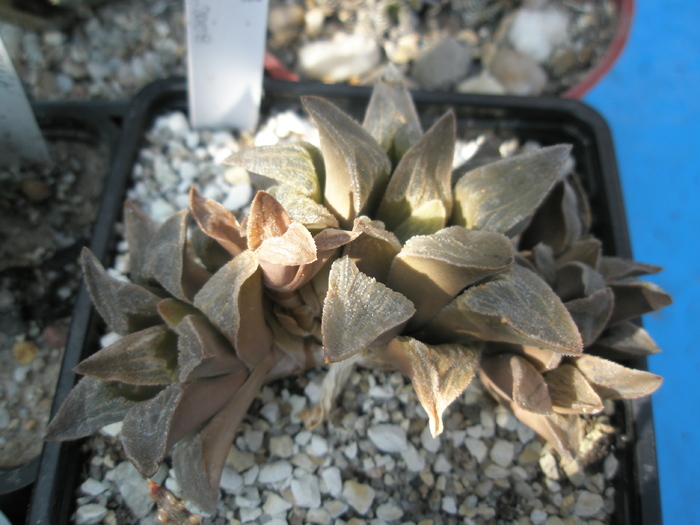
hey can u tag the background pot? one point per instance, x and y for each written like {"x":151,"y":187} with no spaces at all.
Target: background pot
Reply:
{"x":547,"y":121}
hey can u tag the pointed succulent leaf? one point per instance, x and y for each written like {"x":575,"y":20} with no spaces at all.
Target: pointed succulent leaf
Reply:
{"x":563,"y":432}
{"x":576,"y":280}
{"x":267,"y":219}
{"x":203,"y":351}
{"x":91,"y":405}
{"x":298,"y":165}
{"x":634,"y":297}
{"x":542,"y":257}
{"x":591,"y":314}
{"x":587,"y":251}
{"x":303,"y":209}
{"x":428,"y":218}
{"x":423,"y":175}
{"x":614,"y":268}
{"x":357,"y":168}
{"x":139,"y":229}
{"x":124,"y":306}
{"x":625,"y":340}
{"x":440,"y":373}
{"x":168,"y":261}
{"x":232,"y":300}
{"x":542,"y":359}
{"x":500,"y":196}
{"x":217,"y":222}
{"x":515,"y":306}
{"x":374,"y":249}
{"x":148,"y":357}
{"x":391,"y":118}
{"x":152,"y":428}
{"x":173,"y":311}
{"x":613,"y":381}
{"x":199,"y":458}
{"x":432,"y":269}
{"x":280,"y":257}
{"x":358,"y":310}
{"x":570,"y":391}
{"x":212,"y":255}
{"x":512,"y":377}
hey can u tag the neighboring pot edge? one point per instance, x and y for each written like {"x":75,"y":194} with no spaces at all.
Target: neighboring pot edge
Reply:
{"x":546,"y":119}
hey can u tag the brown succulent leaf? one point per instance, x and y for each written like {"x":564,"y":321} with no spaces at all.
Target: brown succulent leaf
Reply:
{"x":430,"y":270}
{"x":515,"y":306}
{"x":139,"y":229}
{"x":199,"y":458}
{"x":591,"y":314}
{"x":391,"y":118}
{"x":440,"y":373}
{"x":357,"y":168}
{"x":502,"y":195}
{"x":614,"y":268}
{"x":217,"y":222}
{"x":151,"y":428}
{"x":570,"y":391}
{"x":576,"y":280}
{"x":563,"y":432}
{"x":298,"y":165}
{"x":542,"y":359}
{"x":212,"y":255}
{"x":303,"y":209}
{"x":358,"y":310}
{"x":514,"y":378}
{"x":267,"y":219}
{"x":232,"y":300}
{"x":544,"y":263}
{"x":281,"y":257}
{"x":613,"y":381}
{"x":420,"y":187}
{"x":203,"y":351}
{"x":147,"y":357}
{"x":587,"y":251}
{"x":374,"y":249}
{"x":93,"y":404}
{"x":169,"y":263}
{"x":173,"y":311}
{"x":634,"y":297}
{"x":124,"y":306}
{"x":625,"y":340}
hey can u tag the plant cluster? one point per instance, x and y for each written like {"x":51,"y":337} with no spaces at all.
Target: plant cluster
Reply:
{"x":368,"y":251}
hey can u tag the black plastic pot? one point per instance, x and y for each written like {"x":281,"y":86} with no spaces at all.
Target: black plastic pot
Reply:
{"x":546,"y":120}
{"x":95,"y":125}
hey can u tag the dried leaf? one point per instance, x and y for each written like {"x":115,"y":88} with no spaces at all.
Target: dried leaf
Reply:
{"x":358,"y":310}
{"x":614,"y":268}
{"x":423,"y":175}
{"x":232,"y":300}
{"x":91,"y":405}
{"x":576,"y":280}
{"x":439,"y":374}
{"x":217,"y":222}
{"x":147,"y":357}
{"x":570,"y":391}
{"x":613,"y":381}
{"x":591,"y":314}
{"x":168,"y":262}
{"x":432,"y":269}
{"x":542,"y":359}
{"x":199,"y":458}
{"x":151,"y":428}
{"x":391,"y":118}
{"x":374,"y":249}
{"x":634,"y":297}
{"x":357,"y":168}
{"x":302,"y":209}
{"x":298,"y":165}
{"x":203,"y":351}
{"x":564,"y":433}
{"x":139,"y":229}
{"x":281,"y":257}
{"x":515,"y":306}
{"x":267,"y":219}
{"x":500,"y":196}
{"x":124,"y":306}
{"x":625,"y":340}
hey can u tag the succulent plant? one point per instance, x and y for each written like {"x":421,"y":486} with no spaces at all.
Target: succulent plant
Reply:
{"x":368,"y":251}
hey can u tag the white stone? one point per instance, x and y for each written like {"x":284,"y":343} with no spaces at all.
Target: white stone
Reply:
{"x":248,"y":499}
{"x":335,"y":508}
{"x":253,"y":439}
{"x":238,"y":197}
{"x":538,"y":516}
{"x":88,"y":514}
{"x":588,"y":504}
{"x":251,"y":475}
{"x":275,"y":504}
{"x":231,"y":481}
{"x":248,"y":515}
{"x":297,"y":403}
{"x":381,"y":392}
{"x":413,"y":459}
{"x":389,"y":511}
{"x":318,"y":447}
{"x":281,"y":446}
{"x":359,"y":496}
{"x":442,"y":465}
{"x":536,"y":32}
{"x":502,"y":452}
{"x":525,"y":433}
{"x":442,"y":65}
{"x":318,"y":516}
{"x":548,"y":464}
{"x":133,"y":488}
{"x":610,"y":466}
{"x":476,"y":448}
{"x":92,"y":487}
{"x":449,"y":505}
{"x":430,"y":443}
{"x":306,"y":492}
{"x":275,"y":472}
{"x":344,"y":57}
{"x":333,"y":481}
{"x":518,"y":73}
{"x":493,"y":471}
{"x":388,"y":438}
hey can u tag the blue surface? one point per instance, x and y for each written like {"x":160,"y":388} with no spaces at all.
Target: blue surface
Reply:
{"x":651,"y":100}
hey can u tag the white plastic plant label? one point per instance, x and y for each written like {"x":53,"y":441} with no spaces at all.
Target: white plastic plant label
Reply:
{"x":21,"y":141}
{"x":226,"y":52}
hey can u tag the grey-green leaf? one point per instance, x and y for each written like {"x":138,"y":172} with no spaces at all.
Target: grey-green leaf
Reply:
{"x":374,"y":249}
{"x":303,"y":209}
{"x":625,"y":340}
{"x":501,"y":195}
{"x":358,"y":310}
{"x":139,"y":229}
{"x":591,"y":314}
{"x":634,"y":297}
